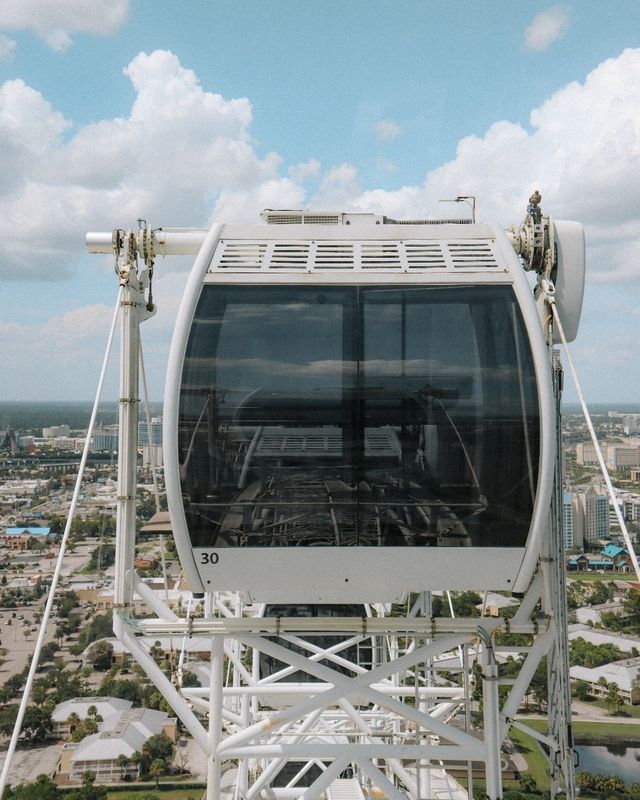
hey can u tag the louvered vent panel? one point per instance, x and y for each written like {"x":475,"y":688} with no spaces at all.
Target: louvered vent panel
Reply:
{"x":289,"y":255}
{"x":380,"y":255}
{"x":321,"y":219}
{"x":334,"y":255}
{"x":472,"y":254}
{"x":425,"y":255}
{"x":240,"y":255}
{"x":428,"y":254}
{"x":284,"y":219}
{"x":302,"y":219}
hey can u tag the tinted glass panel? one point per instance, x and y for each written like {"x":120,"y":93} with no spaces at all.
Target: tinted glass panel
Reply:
{"x":368,"y":416}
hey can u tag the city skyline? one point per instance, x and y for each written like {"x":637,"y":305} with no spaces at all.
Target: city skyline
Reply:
{"x":144,"y":110}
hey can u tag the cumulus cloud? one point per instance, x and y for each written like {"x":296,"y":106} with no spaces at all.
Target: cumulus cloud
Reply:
{"x":184,"y":155}
{"x":56,"y":22}
{"x":179,"y":153}
{"x":386,"y":130}
{"x":546,"y":27}
{"x":71,"y":343}
{"x":582,"y":151}
{"x":7,"y":47}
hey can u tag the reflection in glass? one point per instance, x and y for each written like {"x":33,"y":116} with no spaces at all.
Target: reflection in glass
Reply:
{"x":358,"y":416}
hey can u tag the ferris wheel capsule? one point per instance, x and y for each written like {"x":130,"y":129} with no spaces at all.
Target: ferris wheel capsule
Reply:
{"x":356,"y":407}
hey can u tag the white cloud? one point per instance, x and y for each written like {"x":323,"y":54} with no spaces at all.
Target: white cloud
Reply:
{"x":309,"y":169}
{"x":546,"y":27}
{"x":582,"y":152}
{"x":72,"y":344}
{"x":386,"y":130}
{"x":386,"y":165}
{"x":180,"y":151}
{"x":55,"y":21}
{"x":184,"y":155}
{"x":7,"y":47}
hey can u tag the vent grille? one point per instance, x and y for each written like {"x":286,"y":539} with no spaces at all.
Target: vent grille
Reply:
{"x":407,"y":256}
{"x":425,"y":255}
{"x":334,"y":255}
{"x":471,"y":254}
{"x":242,"y":255}
{"x":380,"y":255}
{"x":300,"y":218}
{"x":290,"y":255}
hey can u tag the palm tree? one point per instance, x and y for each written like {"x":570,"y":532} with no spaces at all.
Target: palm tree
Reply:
{"x":614,"y":698}
{"x":122,"y":762}
{"x":157,"y":768}
{"x":73,"y":720}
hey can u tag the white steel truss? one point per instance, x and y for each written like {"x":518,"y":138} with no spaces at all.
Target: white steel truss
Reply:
{"x":393,"y":728}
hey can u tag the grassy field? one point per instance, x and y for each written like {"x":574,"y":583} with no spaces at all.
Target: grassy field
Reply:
{"x":160,"y":792}
{"x":614,"y":730}
{"x":536,"y":760}
{"x":596,"y":576}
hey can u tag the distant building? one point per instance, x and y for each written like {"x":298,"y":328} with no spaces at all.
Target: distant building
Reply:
{"x":621,"y":673}
{"x":156,"y":432}
{"x":19,"y":538}
{"x":590,"y":516}
{"x":493,"y":603}
{"x":617,"y":456}
{"x":586,"y":454}
{"x":105,"y":707}
{"x":567,"y":521}
{"x":56,"y":431}
{"x":105,"y":439}
{"x":631,"y":424}
{"x":152,"y":456}
{"x":121,"y":734}
{"x":623,"y":456}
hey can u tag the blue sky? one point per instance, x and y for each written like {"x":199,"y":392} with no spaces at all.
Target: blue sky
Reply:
{"x":184,"y":112}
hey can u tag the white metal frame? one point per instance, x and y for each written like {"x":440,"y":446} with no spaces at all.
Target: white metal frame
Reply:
{"x":336,"y":721}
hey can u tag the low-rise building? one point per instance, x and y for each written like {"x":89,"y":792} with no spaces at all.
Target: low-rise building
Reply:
{"x":79,"y":707}
{"x":622,"y":673}
{"x":120,"y":736}
{"x":624,"y":642}
{"x":592,"y":615}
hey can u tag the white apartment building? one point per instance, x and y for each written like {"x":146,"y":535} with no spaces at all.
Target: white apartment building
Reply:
{"x":617,"y":455}
{"x":590,"y":520}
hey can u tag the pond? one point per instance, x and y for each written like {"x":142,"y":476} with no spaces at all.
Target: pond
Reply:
{"x":611,"y":759}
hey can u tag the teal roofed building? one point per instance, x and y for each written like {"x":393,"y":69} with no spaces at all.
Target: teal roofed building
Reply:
{"x":619,"y":555}
{"x":613,"y":550}
{"x":27,"y":531}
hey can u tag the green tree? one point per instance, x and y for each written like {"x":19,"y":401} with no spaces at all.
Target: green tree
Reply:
{"x":8,"y":716}
{"x":37,"y":723}
{"x":614,"y":698}
{"x":158,"y":747}
{"x":631,"y":605}
{"x":157,"y":768}
{"x":101,"y":655}
{"x":48,"y":652}
{"x":124,"y":689}
{"x":122,"y":762}
{"x":89,"y":790}
{"x":582,"y":690}
{"x":100,"y":627}
{"x":43,"y":788}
